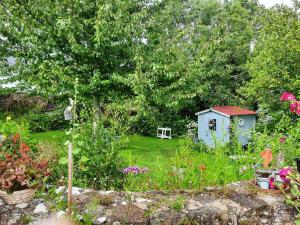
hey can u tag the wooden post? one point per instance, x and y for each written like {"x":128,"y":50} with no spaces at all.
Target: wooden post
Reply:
{"x":70,"y":178}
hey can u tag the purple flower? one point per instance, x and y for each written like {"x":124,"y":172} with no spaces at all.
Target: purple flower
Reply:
{"x":284,"y":172}
{"x":134,"y":170}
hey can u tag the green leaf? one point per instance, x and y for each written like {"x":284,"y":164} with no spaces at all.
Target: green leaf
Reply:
{"x":67,"y":143}
{"x":80,"y":143}
{"x":76,"y":151}
{"x":84,"y":159}
{"x":63,"y":161}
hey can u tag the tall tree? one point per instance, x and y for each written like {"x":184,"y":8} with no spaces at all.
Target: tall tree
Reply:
{"x":275,"y":65}
{"x":195,"y":52}
{"x":55,"y":42}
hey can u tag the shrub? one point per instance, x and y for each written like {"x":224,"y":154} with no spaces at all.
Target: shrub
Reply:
{"x":96,"y":159}
{"x":11,"y":127}
{"x":147,"y":120}
{"x":52,"y":120}
{"x":18,"y":168}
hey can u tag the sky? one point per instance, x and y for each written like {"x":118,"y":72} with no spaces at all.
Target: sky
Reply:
{"x":270,"y":3}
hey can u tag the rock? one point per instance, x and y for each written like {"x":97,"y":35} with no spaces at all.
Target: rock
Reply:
{"x":141,"y":200}
{"x":129,"y":214}
{"x":233,"y":204}
{"x":76,"y":191}
{"x":193,"y":205}
{"x":40,"y":209}
{"x":116,"y":223}
{"x":140,"y":205}
{"x":22,"y":205}
{"x":101,"y":220}
{"x":105,"y":192}
{"x":60,"y":189}
{"x":60,"y":214}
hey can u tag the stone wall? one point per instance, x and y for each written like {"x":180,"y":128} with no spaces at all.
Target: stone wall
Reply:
{"x":237,"y":203}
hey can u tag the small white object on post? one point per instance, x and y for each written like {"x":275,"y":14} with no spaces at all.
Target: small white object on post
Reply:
{"x":68,"y":113}
{"x":164,"y":132}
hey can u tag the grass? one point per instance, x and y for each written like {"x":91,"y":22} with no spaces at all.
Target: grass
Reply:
{"x":164,"y":159}
{"x":149,"y":151}
{"x":55,"y":137}
{"x":141,"y":151}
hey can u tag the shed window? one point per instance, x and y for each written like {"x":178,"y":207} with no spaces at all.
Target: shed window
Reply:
{"x":212,"y":124}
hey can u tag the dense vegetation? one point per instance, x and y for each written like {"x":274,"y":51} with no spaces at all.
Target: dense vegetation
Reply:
{"x":127,"y":66}
{"x":149,"y":63}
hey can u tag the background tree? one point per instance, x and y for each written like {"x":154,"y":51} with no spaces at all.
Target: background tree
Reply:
{"x":193,"y":58}
{"x":56,"y":42}
{"x":275,"y":65}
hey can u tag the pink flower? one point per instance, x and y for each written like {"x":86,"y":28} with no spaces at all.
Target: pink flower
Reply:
{"x":282,"y":139}
{"x":295,"y":107}
{"x":298,"y":108}
{"x":284,"y":172}
{"x":271,"y":183}
{"x":287,"y":96}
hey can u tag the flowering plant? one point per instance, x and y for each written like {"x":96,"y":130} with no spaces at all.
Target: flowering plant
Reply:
{"x":293,"y":197}
{"x":18,"y":169}
{"x":134,"y":170}
{"x":295,"y":104}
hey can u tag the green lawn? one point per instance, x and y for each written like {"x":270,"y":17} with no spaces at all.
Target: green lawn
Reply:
{"x":56,"y":137}
{"x":141,"y":151}
{"x":148,"y":151}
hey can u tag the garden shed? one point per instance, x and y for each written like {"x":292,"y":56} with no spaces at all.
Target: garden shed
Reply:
{"x":215,"y":124}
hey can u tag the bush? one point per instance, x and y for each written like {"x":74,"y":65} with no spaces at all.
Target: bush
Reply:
{"x":147,"y":120}
{"x":39,"y":122}
{"x":19,"y":169}
{"x":96,"y":159}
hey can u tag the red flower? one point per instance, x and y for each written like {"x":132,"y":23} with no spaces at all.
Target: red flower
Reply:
{"x":202,"y":167}
{"x":15,"y":138}
{"x":287,"y":96}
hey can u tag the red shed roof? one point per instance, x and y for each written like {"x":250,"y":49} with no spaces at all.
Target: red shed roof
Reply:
{"x":233,"y":110}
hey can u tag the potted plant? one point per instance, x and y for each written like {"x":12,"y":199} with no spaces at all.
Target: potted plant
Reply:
{"x":20,"y":174}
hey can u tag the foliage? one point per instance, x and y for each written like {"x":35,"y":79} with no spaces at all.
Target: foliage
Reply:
{"x":193,"y":60}
{"x":274,"y":67}
{"x":39,"y":122}
{"x":177,"y":204}
{"x":144,"y":64}
{"x":19,"y":170}
{"x":96,"y":159}
{"x":187,"y":170}
{"x":88,"y":40}
{"x":294,"y":196}
{"x":50,"y":152}
{"x":11,"y":127}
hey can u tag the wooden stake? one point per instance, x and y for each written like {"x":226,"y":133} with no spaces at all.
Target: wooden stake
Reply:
{"x":70,"y":178}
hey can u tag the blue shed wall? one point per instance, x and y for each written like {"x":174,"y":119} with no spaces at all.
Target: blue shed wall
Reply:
{"x":244,"y":132}
{"x":221,"y":135}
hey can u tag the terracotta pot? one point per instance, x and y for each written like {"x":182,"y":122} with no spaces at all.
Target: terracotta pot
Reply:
{"x":18,"y":197}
